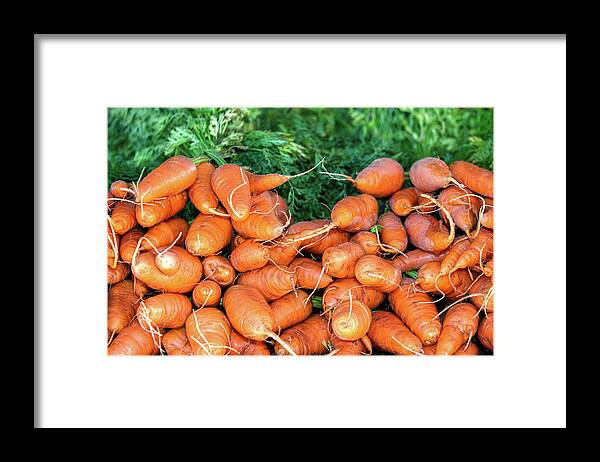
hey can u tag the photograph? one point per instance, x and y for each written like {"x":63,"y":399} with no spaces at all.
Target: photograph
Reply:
{"x":300,"y":231}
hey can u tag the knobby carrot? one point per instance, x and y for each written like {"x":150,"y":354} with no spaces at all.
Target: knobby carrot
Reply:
{"x":129,"y":242}
{"x":133,"y":340}
{"x":176,"y":343}
{"x":368,"y":241}
{"x":414,"y":259}
{"x":117,"y":274}
{"x":165,"y":310}
{"x":403,"y":201}
{"x":208,"y":234}
{"x":230,"y":183}
{"x":485,"y":332}
{"x":477,"y":179}
{"x":209,"y":332}
{"x":122,"y":304}
{"x":243,"y":346}
{"x":309,"y":337}
{"x":291,"y":309}
{"x":166,"y":233}
{"x":151,"y":213}
{"x":392,"y":233}
{"x":418,"y":312}
{"x":309,"y":273}
{"x":355,"y":213}
{"x":459,"y":326}
{"x":267,"y":219}
{"x":340,"y":260}
{"x":350,"y":320}
{"x":430,"y":174}
{"x":342,"y":289}
{"x":200,"y":192}
{"x":249,"y":255}
{"x":123,"y":217}
{"x":388,"y":333}
{"x":206,"y":293}
{"x":217,"y":268}
{"x":271,"y":281}
{"x":378,"y":273}
{"x":173,"y":176}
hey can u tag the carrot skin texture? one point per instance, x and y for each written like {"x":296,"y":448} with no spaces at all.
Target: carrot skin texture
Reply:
{"x":402,"y":201}
{"x":392,"y":233}
{"x":308,"y":273}
{"x":208,"y":234}
{"x":248,"y":312}
{"x":315,"y":245}
{"x":462,"y":209}
{"x":368,"y":242}
{"x":477,"y":179}
{"x":123,"y":217}
{"x":200,"y":191}
{"x":241,"y":346}
{"x":169,"y":311}
{"x":340,"y":290}
{"x":117,"y":274}
{"x":262,"y":183}
{"x":291,"y":309}
{"x":382,"y":178}
{"x":206,"y":293}
{"x":122,"y":304}
{"x":468,"y":350}
{"x":454,"y":253}
{"x":340,"y":260}
{"x":484,"y":285}
{"x":164,"y":233}
{"x":378,"y":273}
{"x":306,"y":338}
{"x":347,"y":348}
{"x":355,"y":213}
{"x":217,"y":268}
{"x":173,"y":176}
{"x":426,"y":233}
{"x":249,"y":255}
{"x":208,"y":331}
{"x":176,"y":343}
{"x":481,"y":248}
{"x":152,"y":213}
{"x":113,"y":243}
{"x":485,"y":332}
{"x":387,"y":330}
{"x":459,"y":323}
{"x":140,"y":288}
{"x":272,"y":282}
{"x":117,"y":189}
{"x":266,"y":220}
{"x":128,"y":243}
{"x":414,"y":259}
{"x":133,"y":340}
{"x":487,"y":220}
{"x":417,"y":311}
{"x":429,"y":174}
{"x":182,"y":281}
{"x":230,"y":183}
{"x":350,"y":320}
{"x":283,"y":254}
{"x":453,"y":285}
{"x":488,"y":269}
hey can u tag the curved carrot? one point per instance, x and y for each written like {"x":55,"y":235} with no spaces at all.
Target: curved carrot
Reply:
{"x":388,"y":333}
{"x":120,"y":272}
{"x":271,"y":281}
{"x":392,"y":233}
{"x":403,"y":201}
{"x":243,"y":346}
{"x":123,"y":217}
{"x":309,"y":273}
{"x":368,"y":241}
{"x":129,"y":242}
{"x":480,"y":250}
{"x":456,"y":250}
{"x":249,"y":255}
{"x":426,"y":233}
{"x":122,"y":304}
{"x":485,"y":332}
{"x":414,"y":259}
{"x":452,"y":285}
{"x":217,"y":268}
{"x":208,"y":234}
{"x":151,"y":213}
{"x":200,"y":192}
{"x":459,"y":326}
{"x":340,"y":260}
{"x":381,"y":178}
{"x":230,"y":183}
{"x":477,"y":179}
{"x":482,"y":292}
{"x":462,"y":209}
{"x":350,"y":320}
{"x":430,"y":174}
{"x":176,"y":343}
{"x":378,"y":273}
{"x":165,"y":310}
{"x":341,"y":289}
{"x":206,"y":293}
{"x":418,"y":312}
{"x":309,"y":236}
{"x":267,"y":219}
{"x":165,"y":233}
{"x":173,"y":176}
{"x":291,"y":309}
{"x":308,"y":337}
{"x":355,"y":213}
{"x":133,"y":340}
{"x":208,"y":331}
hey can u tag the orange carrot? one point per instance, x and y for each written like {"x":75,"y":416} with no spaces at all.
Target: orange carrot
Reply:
{"x":217,"y":268}
{"x":309,"y":273}
{"x":271,"y":281}
{"x":117,"y":274}
{"x":309,"y":337}
{"x":243,"y":346}
{"x":123,"y":217}
{"x":119,"y":188}
{"x":249,"y":255}
{"x":309,"y":236}
{"x":291,"y":309}
{"x":206,"y":293}
{"x":459,"y":247}
{"x":488,"y":269}
{"x":487,"y":218}
{"x":133,"y":340}
{"x":429,"y":174}
{"x":151,"y":213}
{"x":176,"y":343}
{"x":477,"y":179}
{"x":355,"y":213}
{"x":208,"y":234}
{"x":347,"y":348}
{"x":392,"y":233}
{"x":173,"y":270}
{"x":414,"y":259}
{"x":200,"y":192}
{"x":485,"y":332}
{"x":250,"y":314}
{"x":129,"y":242}
{"x":428,"y":234}
{"x":113,"y":243}
{"x":459,"y":326}
{"x":403,"y":201}
{"x":283,"y":254}
{"x":388,"y":333}
{"x":378,"y":273}
{"x":230,"y":183}
{"x":173,"y":176}
{"x":480,"y":250}
{"x":482,"y":292}
{"x":267,"y":219}
{"x":165,"y":233}
{"x":452,"y":285}
{"x":368,"y":241}
{"x":468,"y":349}
{"x":209,"y":332}
{"x":340,"y":260}
{"x":262,"y":183}
{"x":140,"y":288}
{"x":165,"y":310}
{"x":341,"y":289}
{"x":381,"y":178}
{"x":122,"y":304}
{"x":350,"y":320}
{"x":462,"y":209}
{"x":418,"y":312}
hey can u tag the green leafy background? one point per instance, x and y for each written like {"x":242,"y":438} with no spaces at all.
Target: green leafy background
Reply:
{"x":292,"y":140}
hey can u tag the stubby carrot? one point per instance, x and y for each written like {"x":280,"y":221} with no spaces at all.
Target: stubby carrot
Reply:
{"x":313,"y":236}
{"x":309,"y":337}
{"x":392,"y":233}
{"x":487,"y":218}
{"x":151,"y":213}
{"x":249,"y":255}
{"x":430,"y":174}
{"x":378,"y":273}
{"x":452,"y":285}
{"x":355,"y":213}
{"x":165,"y":233}
{"x":428,"y":234}
{"x":217,"y":268}
{"x":267,"y":219}
{"x":206,"y":293}
{"x":209,"y":332}
{"x":350,"y":320}
{"x":339,"y":261}
{"x":477,"y":179}
{"x":200,"y":192}
{"x":388,"y":333}
{"x":346,"y":348}
{"x":123,"y":217}
{"x":459,"y":326}
{"x":129,"y":242}
{"x":261,"y":183}
{"x":165,"y":310}
{"x":120,"y":189}
{"x":342,"y":289}
{"x":414,"y":259}
{"x":242,"y":346}
{"x":368,"y":241}
{"x":271,"y":281}
{"x":482,"y":294}
{"x":173,"y":176}
{"x":120,"y":272}
{"x":381,"y":178}
{"x":231,"y":185}
{"x":461,"y":206}
{"x":134,"y":340}
{"x":403,"y":201}
{"x":481,"y":249}
{"x":485,"y":332}
{"x":208,"y":234}
{"x":310,"y":273}
{"x":459,"y":247}
{"x":122,"y":304}
{"x":291,"y":309}
{"x":176,"y":343}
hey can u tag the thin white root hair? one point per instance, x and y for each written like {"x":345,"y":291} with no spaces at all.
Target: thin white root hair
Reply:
{"x":421,"y":353}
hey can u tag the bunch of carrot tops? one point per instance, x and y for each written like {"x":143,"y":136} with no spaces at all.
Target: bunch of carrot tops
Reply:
{"x":244,"y":279}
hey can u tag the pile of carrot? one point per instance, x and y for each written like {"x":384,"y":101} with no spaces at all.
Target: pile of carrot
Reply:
{"x":403,"y":267}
